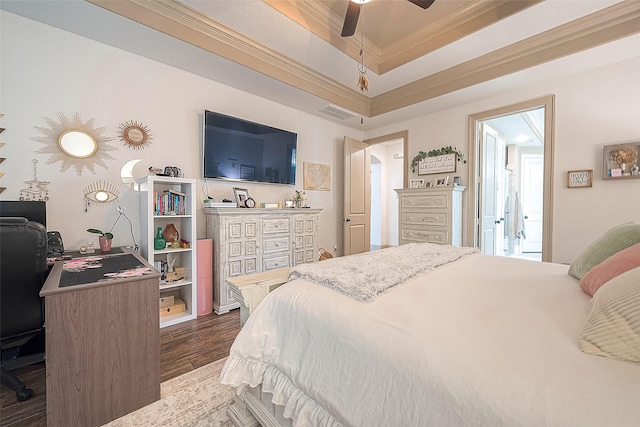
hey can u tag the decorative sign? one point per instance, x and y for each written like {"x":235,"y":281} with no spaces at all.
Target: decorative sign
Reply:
{"x":580,"y":178}
{"x":438,"y":164}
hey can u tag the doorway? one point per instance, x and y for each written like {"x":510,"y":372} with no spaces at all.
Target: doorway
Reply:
{"x":511,"y":174}
{"x":387,"y":159}
{"x":371,"y":222}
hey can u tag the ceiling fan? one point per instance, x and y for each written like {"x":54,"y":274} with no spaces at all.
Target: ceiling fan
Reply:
{"x":353,"y":12}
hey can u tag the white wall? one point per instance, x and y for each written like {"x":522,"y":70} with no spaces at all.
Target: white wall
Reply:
{"x":593,"y":109}
{"x":45,"y":71}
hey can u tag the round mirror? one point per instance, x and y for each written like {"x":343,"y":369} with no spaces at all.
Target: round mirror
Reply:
{"x":131,"y":173}
{"x":78,"y":144}
{"x":135,"y":135}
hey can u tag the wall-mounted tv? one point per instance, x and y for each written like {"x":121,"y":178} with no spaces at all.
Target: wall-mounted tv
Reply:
{"x":240,"y":150}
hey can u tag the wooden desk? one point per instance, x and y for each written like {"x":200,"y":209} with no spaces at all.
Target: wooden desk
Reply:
{"x":249,"y":290}
{"x":102,"y":344}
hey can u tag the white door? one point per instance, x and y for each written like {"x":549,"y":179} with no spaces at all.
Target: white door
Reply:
{"x":357,"y":197}
{"x":491,"y":192}
{"x":532,"y":200}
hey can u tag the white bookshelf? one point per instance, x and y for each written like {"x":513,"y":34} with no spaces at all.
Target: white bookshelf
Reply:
{"x":186,"y":226}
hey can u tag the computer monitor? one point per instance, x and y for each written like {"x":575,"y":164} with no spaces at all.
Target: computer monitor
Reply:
{"x":32,"y":210}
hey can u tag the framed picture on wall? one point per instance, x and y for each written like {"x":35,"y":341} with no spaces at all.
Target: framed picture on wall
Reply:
{"x":580,"y":178}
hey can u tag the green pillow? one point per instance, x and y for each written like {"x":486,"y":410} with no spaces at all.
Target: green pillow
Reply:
{"x":610,"y":243}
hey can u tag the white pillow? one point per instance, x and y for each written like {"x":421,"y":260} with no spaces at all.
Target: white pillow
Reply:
{"x":613,"y":325}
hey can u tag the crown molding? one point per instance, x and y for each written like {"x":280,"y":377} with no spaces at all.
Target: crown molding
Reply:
{"x":610,"y":24}
{"x":321,"y":21}
{"x":462,"y":22}
{"x":473,"y":16}
{"x":177,"y":20}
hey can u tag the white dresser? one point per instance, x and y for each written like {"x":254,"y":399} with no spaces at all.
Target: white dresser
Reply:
{"x":247,"y":241}
{"x":431,"y":214}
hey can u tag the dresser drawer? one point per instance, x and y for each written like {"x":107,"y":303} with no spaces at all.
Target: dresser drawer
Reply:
{"x":435,"y":218}
{"x":273,"y":245}
{"x":276,"y":262}
{"x":426,"y":201}
{"x":424,"y":235}
{"x":272,"y":226}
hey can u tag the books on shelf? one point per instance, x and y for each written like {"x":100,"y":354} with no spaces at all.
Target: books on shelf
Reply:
{"x":169,"y":202}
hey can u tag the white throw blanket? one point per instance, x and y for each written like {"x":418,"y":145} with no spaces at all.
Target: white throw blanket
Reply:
{"x":365,"y":276}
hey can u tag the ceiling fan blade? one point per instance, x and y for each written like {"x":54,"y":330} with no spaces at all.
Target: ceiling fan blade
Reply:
{"x":422,"y":3}
{"x":351,"y":19}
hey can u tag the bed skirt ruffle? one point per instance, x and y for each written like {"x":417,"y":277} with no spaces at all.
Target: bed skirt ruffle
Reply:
{"x":298,"y":406}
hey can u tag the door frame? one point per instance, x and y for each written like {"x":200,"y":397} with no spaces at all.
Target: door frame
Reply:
{"x":548,"y":102}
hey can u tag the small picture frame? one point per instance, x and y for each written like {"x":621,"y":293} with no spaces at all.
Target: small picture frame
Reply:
{"x":442,"y":181}
{"x":241,"y":195}
{"x":416,"y":183}
{"x":580,"y":178}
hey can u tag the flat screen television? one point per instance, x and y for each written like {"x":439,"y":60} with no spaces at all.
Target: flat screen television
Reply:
{"x":240,"y":150}
{"x":32,"y":210}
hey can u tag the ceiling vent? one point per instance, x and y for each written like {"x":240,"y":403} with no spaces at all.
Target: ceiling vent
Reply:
{"x":336,"y":112}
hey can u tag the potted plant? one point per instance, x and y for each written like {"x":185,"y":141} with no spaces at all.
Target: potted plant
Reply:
{"x":437,"y":152}
{"x":104,"y":239}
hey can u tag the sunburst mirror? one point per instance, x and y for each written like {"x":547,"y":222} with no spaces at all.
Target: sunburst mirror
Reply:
{"x":75,"y":143}
{"x":135,"y":135}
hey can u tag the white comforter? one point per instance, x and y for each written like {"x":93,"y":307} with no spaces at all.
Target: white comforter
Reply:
{"x":484,"y":341}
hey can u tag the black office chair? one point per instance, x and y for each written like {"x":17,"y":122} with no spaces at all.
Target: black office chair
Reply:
{"x":23,"y":270}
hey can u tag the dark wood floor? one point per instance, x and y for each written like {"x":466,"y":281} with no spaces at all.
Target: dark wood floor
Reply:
{"x":183,"y":348}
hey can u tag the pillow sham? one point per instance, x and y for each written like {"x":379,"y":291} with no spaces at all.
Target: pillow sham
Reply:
{"x":611,"y":242}
{"x":625,"y":260}
{"x":612,"y":328}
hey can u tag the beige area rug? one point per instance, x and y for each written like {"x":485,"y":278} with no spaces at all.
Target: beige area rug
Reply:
{"x":194,"y":399}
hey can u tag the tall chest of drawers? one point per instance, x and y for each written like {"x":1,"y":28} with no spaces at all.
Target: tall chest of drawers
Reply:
{"x":431,"y":214}
{"x":247,"y":241}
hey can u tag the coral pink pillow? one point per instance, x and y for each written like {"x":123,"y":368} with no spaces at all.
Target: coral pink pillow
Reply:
{"x":623,"y":261}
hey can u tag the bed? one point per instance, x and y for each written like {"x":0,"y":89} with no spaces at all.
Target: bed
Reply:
{"x":473,"y":341}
